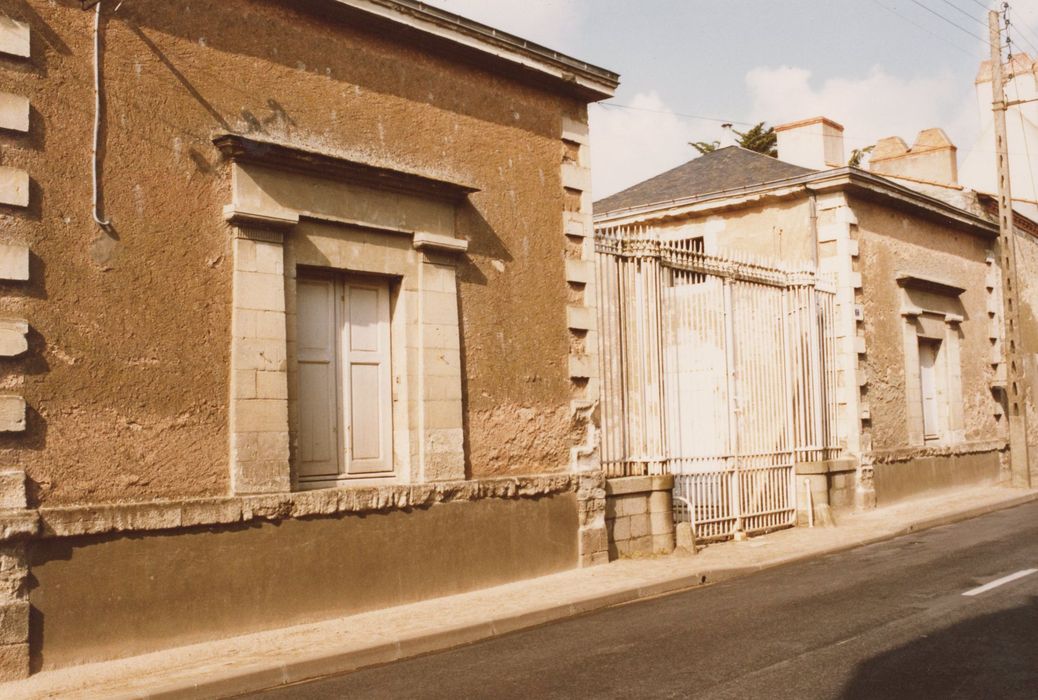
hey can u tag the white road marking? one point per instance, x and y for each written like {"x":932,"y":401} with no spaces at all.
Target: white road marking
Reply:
{"x":999,"y":582}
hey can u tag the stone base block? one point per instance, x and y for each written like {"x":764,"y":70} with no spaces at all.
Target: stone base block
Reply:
{"x":14,"y":661}
{"x":832,"y":484}
{"x":640,"y":515}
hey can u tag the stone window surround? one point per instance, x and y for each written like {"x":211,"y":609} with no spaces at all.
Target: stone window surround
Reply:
{"x":948,"y":334}
{"x":293,"y":207}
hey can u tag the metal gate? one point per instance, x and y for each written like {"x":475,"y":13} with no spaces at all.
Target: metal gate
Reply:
{"x":719,"y":370}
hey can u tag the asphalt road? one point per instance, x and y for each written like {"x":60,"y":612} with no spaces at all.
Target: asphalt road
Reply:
{"x":883,"y":621}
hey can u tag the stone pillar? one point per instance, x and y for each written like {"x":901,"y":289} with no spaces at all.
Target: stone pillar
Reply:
{"x":838,"y":250}
{"x":640,"y":515}
{"x":16,"y":521}
{"x":593,"y":540}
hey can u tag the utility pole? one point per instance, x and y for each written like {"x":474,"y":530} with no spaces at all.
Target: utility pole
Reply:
{"x":1020,"y":467}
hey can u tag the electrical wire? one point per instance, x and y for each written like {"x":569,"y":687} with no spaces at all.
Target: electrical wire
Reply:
{"x":911,"y":21}
{"x":103,"y":223}
{"x":848,"y":137}
{"x":676,"y":114}
{"x":958,"y":26}
{"x":952,"y":5}
{"x":1020,"y":28}
{"x":1023,"y":122}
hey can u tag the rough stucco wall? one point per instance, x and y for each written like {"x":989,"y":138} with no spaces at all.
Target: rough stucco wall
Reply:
{"x":891,"y":241}
{"x":1027,"y":299}
{"x":779,"y":230}
{"x":126,"y":378}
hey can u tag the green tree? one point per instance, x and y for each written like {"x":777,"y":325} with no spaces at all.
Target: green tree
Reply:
{"x":759,"y":138}
{"x":857,"y":154}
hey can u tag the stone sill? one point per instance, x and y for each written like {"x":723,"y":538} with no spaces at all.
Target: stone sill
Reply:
{"x":827,"y":466}
{"x":72,"y":521}
{"x":624,"y":485}
{"x":907,"y":454}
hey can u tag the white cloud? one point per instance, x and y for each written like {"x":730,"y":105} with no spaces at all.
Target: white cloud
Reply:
{"x":631,"y":144}
{"x":547,"y":22}
{"x":870,"y":107}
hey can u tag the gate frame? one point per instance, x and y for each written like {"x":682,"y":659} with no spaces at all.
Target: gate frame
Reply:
{"x":632,"y":263}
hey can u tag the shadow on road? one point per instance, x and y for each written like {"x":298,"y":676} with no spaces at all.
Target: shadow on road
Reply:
{"x":993,"y":655}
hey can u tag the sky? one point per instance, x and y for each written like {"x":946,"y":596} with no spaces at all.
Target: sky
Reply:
{"x":879,"y":67}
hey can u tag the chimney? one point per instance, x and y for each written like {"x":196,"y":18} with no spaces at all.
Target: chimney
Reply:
{"x":933,"y":158}
{"x":727,"y":135}
{"x":815,"y":143}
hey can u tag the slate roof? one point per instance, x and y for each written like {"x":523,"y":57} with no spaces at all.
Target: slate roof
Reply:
{"x":726,"y":168}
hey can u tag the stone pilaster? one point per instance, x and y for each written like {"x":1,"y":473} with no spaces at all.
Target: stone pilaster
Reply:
{"x":441,"y":453}
{"x":259,"y":364}
{"x":581,"y":310}
{"x":838,"y":252}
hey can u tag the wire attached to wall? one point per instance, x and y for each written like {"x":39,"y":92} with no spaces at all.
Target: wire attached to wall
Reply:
{"x":104,"y":223}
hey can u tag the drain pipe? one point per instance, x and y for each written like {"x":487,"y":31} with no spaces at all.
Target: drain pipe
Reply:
{"x":810,"y":504}
{"x":96,"y":166}
{"x":813,"y":217}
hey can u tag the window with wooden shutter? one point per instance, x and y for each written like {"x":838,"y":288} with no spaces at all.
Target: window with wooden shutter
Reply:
{"x":345,"y":401}
{"x":929,"y":386}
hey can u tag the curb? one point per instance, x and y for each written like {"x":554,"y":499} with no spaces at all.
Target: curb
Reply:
{"x":330,"y":663}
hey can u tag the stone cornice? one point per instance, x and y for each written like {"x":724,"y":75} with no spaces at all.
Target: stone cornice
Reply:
{"x":928,"y":284}
{"x":459,"y":35}
{"x":73,"y":521}
{"x":839,"y":179}
{"x":285,"y":157}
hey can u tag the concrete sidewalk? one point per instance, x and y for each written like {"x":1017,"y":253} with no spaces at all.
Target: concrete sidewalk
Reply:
{"x":241,"y":664}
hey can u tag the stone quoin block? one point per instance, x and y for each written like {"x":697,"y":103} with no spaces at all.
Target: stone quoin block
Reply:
{"x":580,"y":366}
{"x":12,"y":489}
{"x":14,"y":187}
{"x":14,"y":37}
{"x":12,"y":414}
{"x":580,"y":318}
{"x":14,"y":661}
{"x":14,"y":622}
{"x":14,"y":112}
{"x":579,"y":271}
{"x":13,"y":341}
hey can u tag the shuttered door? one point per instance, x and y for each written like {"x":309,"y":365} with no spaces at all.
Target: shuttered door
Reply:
{"x":366,"y":365}
{"x":319,"y":447}
{"x":928,"y":385}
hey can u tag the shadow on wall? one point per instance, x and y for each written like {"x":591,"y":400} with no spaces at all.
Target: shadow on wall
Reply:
{"x":486,"y":245}
{"x":309,"y":38}
{"x":992,"y":655}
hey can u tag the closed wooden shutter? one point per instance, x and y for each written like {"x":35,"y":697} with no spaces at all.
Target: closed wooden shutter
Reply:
{"x":368,"y":378}
{"x":317,"y":336}
{"x":928,"y":385}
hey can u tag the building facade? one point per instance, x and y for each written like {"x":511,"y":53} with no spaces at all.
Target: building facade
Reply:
{"x":904,"y":364}
{"x":300,"y":317}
